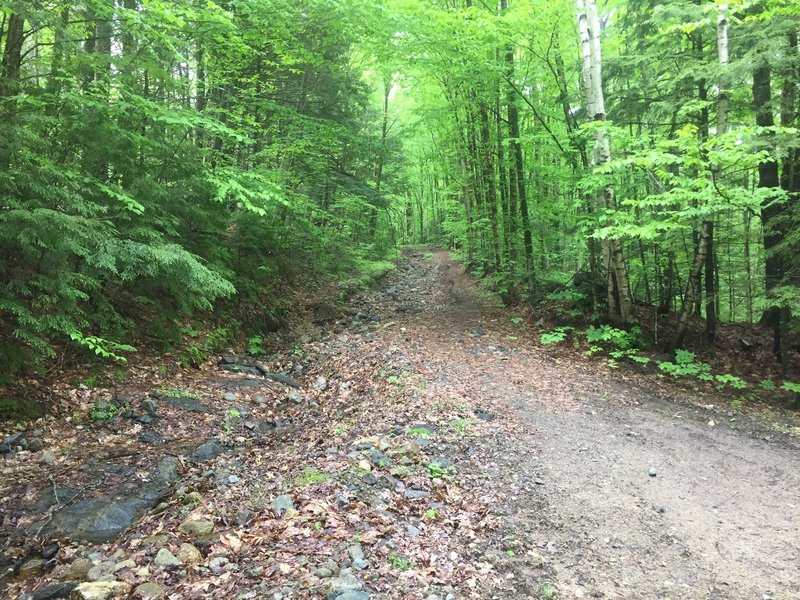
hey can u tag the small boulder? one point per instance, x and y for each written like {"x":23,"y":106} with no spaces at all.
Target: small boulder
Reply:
{"x":47,"y":457}
{"x":149,"y":591}
{"x":101,"y":590}
{"x":78,"y":570}
{"x":321,"y":384}
{"x":165,"y":558}
{"x":196,"y":527}
{"x":283,"y":503}
{"x":54,"y":590}
{"x":208,"y":451}
{"x":189,"y":555}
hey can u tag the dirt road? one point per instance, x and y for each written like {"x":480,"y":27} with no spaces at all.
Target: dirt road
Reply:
{"x":605,"y":488}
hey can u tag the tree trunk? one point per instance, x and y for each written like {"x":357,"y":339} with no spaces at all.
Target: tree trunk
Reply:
{"x":12,"y":55}
{"x":489,"y":184}
{"x":691,"y":289}
{"x":517,"y":189}
{"x":620,"y":301}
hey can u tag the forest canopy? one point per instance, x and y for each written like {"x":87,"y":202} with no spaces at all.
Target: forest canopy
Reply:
{"x":160,"y":159}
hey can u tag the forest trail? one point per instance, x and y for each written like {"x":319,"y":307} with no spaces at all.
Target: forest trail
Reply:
{"x":572,"y":485}
{"x":418,"y":444}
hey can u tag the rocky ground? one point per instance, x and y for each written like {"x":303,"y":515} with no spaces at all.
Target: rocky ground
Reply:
{"x":419,"y":445}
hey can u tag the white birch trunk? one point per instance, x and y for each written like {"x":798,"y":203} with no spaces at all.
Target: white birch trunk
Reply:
{"x":620,"y":302}
{"x":722,"y":52}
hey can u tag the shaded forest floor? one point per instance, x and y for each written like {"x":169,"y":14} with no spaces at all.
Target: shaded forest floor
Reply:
{"x":420,"y":444}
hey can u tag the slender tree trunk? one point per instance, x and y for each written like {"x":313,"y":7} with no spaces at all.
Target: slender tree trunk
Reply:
{"x":620,"y":300}
{"x":691,"y":289}
{"x":489,"y":184}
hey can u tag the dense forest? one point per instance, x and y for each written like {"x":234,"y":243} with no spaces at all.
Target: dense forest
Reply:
{"x":168,"y":158}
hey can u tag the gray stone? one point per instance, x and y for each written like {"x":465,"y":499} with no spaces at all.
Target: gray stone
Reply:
{"x":416,"y":494}
{"x":78,"y":570}
{"x":167,"y":470}
{"x":148,"y":405}
{"x":101,"y":590}
{"x":653,"y":472}
{"x":294,"y":396}
{"x":344,"y":583}
{"x":100,"y":520}
{"x":208,"y":451}
{"x":353,"y":595}
{"x":259,"y":400}
{"x":150,"y":437}
{"x":47,"y":457}
{"x":242,"y":517}
{"x":359,"y":564}
{"x":188,"y":404}
{"x":321,"y":384}
{"x":35,"y":444}
{"x":31,"y":568}
{"x":233,"y":479}
{"x":196,"y":527}
{"x":54,"y":590}
{"x":355,"y":551}
{"x":189,"y":555}
{"x":483,"y":414}
{"x":124,"y":564}
{"x":279,"y":377}
{"x":165,"y":558}
{"x":230,"y":397}
{"x":149,"y":591}
{"x":283,"y":503}
{"x":323,"y":572}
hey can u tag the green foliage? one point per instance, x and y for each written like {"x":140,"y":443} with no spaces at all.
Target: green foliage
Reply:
{"x":308,"y":477}
{"x":101,"y":347}
{"x":685,"y":365}
{"x":558,"y":335}
{"x":171,"y":392}
{"x":400,"y":563}
{"x":419,"y":432}
{"x":254,"y":347}
{"x":436,"y":471}
{"x":105,"y":412}
{"x":618,"y":338}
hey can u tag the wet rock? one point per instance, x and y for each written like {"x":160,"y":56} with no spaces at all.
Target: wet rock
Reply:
{"x":283,"y":503}
{"x":13,"y":442}
{"x":188,"y":404}
{"x":31,"y":568}
{"x":167,"y":470}
{"x":321,"y":384}
{"x":196,"y":527}
{"x":101,"y":590}
{"x":165,"y":558}
{"x":100,"y":520}
{"x":54,"y":590}
{"x":483,"y":414}
{"x":50,"y":551}
{"x":242,"y":518}
{"x":149,"y":591}
{"x":150,"y":437}
{"x":208,"y":451}
{"x":279,"y":377}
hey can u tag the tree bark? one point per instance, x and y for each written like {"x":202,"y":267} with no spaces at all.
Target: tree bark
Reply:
{"x":12,"y":55}
{"x":620,"y":300}
{"x":691,"y":289}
